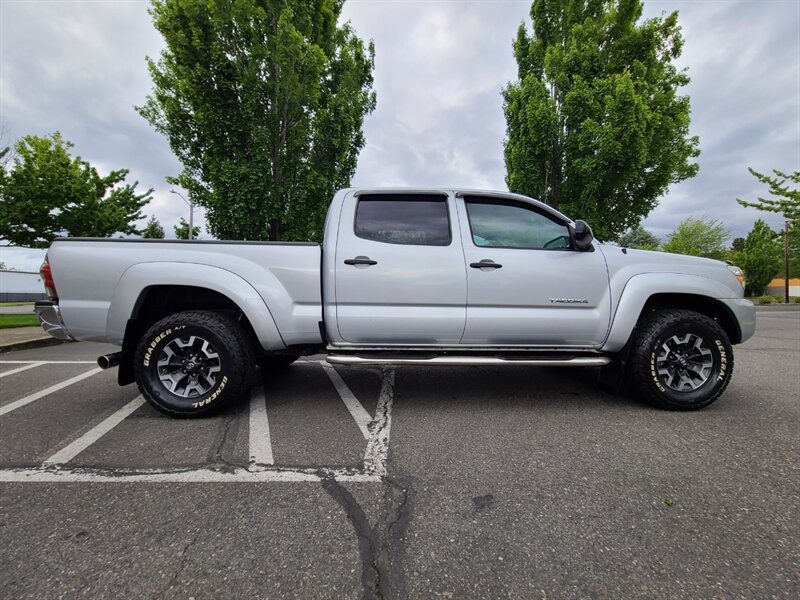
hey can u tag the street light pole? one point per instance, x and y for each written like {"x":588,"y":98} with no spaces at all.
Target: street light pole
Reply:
{"x":191,"y":213}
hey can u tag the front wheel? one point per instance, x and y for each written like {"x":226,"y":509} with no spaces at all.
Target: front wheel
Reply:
{"x":194,"y":363}
{"x":680,"y":360}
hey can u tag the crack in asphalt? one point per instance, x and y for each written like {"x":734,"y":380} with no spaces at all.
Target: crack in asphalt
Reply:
{"x":379,"y":580}
{"x":181,"y":566}
{"x":377,"y":452}
{"x":389,"y":559}
{"x":226,"y":434}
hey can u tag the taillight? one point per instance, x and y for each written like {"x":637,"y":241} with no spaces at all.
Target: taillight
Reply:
{"x":47,"y":278}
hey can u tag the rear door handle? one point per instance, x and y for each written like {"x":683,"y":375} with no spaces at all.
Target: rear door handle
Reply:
{"x":486,"y":263}
{"x":360,"y":260}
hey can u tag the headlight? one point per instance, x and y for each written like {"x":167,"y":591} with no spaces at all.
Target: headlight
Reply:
{"x":738,"y":272}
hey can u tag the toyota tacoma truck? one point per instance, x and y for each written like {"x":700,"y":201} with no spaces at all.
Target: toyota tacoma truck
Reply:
{"x":403,"y":276}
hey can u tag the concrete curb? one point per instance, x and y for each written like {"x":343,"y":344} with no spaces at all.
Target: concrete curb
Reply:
{"x":32,"y":343}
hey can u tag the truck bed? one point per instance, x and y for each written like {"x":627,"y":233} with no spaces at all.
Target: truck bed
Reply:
{"x":98,"y":279}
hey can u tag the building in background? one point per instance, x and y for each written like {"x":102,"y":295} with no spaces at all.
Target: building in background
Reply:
{"x":775,"y":287}
{"x":20,"y":286}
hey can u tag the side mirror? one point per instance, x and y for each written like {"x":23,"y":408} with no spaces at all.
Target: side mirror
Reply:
{"x":583,"y":235}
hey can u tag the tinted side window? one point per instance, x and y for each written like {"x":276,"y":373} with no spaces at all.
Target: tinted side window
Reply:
{"x":404,"y":219}
{"x":509,"y":224}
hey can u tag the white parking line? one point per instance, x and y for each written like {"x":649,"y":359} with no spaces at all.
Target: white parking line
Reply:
{"x":260,"y":470}
{"x":260,"y":440}
{"x":49,"y":362}
{"x":69,"y":452}
{"x":359,"y":413}
{"x":71,"y":475}
{"x":53,"y":388}
{"x":20,"y":369}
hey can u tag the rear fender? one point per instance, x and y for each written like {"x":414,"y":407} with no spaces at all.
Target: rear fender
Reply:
{"x":139,"y":277}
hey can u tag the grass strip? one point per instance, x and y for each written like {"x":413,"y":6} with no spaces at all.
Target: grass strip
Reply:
{"x":9,"y":321}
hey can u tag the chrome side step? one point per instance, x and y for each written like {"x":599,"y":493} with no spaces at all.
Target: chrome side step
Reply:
{"x":460,"y":361}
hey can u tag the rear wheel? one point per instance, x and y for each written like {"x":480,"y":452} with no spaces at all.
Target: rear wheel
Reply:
{"x":194,"y":363}
{"x":680,"y":360}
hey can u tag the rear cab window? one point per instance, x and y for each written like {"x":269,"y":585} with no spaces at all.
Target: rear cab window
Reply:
{"x":409,"y":219}
{"x":506,"y":223}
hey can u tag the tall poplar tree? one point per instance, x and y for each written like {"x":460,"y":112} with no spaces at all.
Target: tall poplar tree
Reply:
{"x":596,"y":126}
{"x":263,"y":102}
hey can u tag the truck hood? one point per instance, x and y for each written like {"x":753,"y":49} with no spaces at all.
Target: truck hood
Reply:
{"x":626,"y":262}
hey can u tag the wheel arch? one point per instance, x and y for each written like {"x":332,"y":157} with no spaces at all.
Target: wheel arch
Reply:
{"x":148,"y":292}
{"x":705,"y":305}
{"x":646,"y":293}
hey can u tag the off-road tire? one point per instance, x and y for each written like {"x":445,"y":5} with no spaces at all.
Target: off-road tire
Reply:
{"x":653,"y":332}
{"x":228,"y":342}
{"x":270,"y":364}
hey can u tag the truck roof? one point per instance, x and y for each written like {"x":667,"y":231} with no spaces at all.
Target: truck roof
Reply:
{"x":358,"y":191}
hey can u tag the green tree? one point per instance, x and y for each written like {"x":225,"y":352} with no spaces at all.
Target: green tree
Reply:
{"x":639,"y":238}
{"x":787,"y":203}
{"x":794,"y":248}
{"x":182,"y":230}
{"x":263,"y":102}
{"x":699,"y":237}
{"x":761,"y":257}
{"x":595,"y":125}
{"x":153,"y":230}
{"x":47,"y":193}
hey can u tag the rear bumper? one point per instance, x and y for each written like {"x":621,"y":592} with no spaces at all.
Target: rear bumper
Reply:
{"x":745,"y":313}
{"x":50,"y":319}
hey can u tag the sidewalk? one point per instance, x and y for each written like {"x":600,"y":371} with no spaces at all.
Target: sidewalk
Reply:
{"x":16,"y":310}
{"x":24,"y":337}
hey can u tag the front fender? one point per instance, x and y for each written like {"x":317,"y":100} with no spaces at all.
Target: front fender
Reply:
{"x":638,"y":291}
{"x":144,"y":275}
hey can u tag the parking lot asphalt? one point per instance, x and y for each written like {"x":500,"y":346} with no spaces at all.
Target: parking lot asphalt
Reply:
{"x":467,"y":483}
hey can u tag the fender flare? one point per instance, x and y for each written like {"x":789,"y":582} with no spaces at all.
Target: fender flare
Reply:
{"x":640,"y":288}
{"x":136,"y":279}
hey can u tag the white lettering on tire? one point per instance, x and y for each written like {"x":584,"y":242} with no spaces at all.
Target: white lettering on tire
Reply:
{"x":723,"y":360}
{"x":213,"y":396}
{"x":153,"y":345}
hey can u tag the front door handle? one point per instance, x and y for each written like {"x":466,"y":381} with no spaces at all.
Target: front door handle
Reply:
{"x":485,"y":263}
{"x":360,"y":260}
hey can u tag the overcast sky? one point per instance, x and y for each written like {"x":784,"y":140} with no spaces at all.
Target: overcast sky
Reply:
{"x":78,"y":67}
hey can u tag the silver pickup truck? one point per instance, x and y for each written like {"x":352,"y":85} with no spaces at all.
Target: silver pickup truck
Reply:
{"x":404,"y":276}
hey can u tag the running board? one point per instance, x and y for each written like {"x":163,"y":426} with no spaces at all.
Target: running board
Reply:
{"x":477,"y":361}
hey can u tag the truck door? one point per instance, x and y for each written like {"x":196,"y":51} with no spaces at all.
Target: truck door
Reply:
{"x":400,"y":273}
{"x":527,"y":285}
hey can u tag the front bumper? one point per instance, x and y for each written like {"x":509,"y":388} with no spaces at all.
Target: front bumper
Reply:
{"x":50,"y":319}
{"x":745,"y":313}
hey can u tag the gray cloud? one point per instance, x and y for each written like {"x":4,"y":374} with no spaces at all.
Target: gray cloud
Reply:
{"x":78,"y":67}
{"x":745,"y":91}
